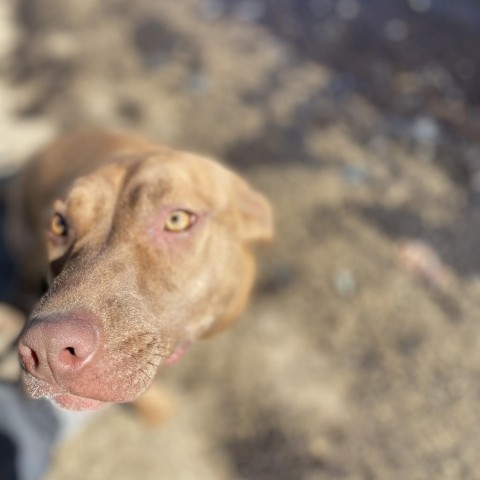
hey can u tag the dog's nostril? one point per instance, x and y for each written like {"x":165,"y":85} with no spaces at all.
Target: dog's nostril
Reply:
{"x":34,"y":356}
{"x":29,"y":358}
{"x":71,"y":350}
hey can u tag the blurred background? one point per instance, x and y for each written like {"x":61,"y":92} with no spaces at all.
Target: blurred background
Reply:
{"x":359,"y":357}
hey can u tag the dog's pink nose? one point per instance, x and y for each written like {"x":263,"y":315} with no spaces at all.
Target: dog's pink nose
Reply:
{"x":59,"y":346}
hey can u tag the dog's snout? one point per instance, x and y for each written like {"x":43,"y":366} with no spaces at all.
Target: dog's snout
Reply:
{"x":59,"y":346}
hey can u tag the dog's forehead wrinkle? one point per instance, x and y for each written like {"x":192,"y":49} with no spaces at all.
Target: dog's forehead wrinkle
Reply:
{"x":143,"y":193}
{"x":181,"y":179}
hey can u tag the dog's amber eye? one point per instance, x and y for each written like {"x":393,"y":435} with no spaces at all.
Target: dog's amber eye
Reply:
{"x":179,"y":221}
{"x":58,"y":225}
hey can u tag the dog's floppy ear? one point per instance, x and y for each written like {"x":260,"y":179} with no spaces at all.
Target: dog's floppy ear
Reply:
{"x":255,"y":214}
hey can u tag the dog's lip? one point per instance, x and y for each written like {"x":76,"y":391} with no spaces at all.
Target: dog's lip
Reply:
{"x":39,"y":388}
{"x":178,"y":352}
{"x":72,"y":402}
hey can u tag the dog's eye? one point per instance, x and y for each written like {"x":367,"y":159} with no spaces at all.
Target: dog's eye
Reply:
{"x":58,"y":225}
{"x":179,"y":221}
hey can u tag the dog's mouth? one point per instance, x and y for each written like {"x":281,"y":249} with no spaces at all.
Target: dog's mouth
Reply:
{"x":36,"y":388}
{"x":72,"y":402}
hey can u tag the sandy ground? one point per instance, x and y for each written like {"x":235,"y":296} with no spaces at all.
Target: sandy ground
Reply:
{"x":359,"y":357}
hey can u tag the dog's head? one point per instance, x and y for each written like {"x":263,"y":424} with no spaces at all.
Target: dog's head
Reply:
{"x":146,"y":255}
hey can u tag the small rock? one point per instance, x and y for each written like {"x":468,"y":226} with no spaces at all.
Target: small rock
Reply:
{"x":425,"y":130}
{"x":355,"y":175}
{"x":344,"y":282}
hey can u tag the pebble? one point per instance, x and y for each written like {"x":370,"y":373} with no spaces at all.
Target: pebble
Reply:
{"x":344,"y":282}
{"x":355,"y":175}
{"x":425,"y":130}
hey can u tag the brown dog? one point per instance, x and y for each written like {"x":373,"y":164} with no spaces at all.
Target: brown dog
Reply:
{"x":147,"y":249}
